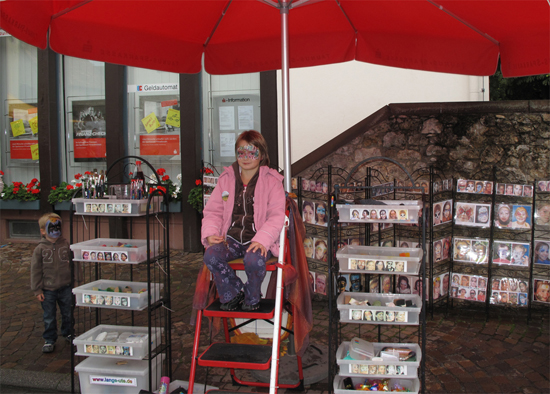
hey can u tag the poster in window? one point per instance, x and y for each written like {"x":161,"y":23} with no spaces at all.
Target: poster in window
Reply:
{"x":89,"y":130}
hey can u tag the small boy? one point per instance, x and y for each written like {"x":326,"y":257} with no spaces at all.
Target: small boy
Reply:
{"x":51,"y":279}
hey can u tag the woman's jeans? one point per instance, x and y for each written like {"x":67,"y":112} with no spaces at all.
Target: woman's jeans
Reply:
{"x":62,"y":296}
{"x":228,"y":284}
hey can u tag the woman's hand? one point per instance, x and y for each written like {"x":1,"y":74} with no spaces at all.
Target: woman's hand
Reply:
{"x":255,"y":246}
{"x":214,"y":239}
{"x":40,"y":297}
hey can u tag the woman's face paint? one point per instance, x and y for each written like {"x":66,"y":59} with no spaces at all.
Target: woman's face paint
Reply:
{"x":248,"y":152}
{"x":53,"y":228}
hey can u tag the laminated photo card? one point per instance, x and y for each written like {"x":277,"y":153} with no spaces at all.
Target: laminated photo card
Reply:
{"x":541,"y":292}
{"x":471,"y":250}
{"x":474,"y":187}
{"x":442,"y":212}
{"x":440,"y":286}
{"x":315,"y":248}
{"x":512,"y":189}
{"x":541,"y":251}
{"x":469,"y":287}
{"x":473,"y":215}
{"x":511,"y":253}
{"x":542,"y":214}
{"x":514,"y":217}
{"x":441,"y":248}
{"x":543,"y":186}
{"x":509,"y":291}
{"x":311,"y":185}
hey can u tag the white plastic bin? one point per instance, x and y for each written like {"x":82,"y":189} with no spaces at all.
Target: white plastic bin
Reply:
{"x":135,"y":347}
{"x":412,"y":384}
{"x":379,"y":369}
{"x":106,"y":376}
{"x":388,"y":315}
{"x":114,"y":207}
{"x":379,"y":260}
{"x":101,"y":298}
{"x":394,"y":211}
{"x":112,"y":250}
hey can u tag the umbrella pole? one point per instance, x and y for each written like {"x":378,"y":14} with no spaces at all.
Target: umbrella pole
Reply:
{"x":285,"y":94}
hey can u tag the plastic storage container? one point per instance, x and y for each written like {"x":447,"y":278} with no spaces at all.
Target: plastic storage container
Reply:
{"x":86,"y":296}
{"x":359,"y":349}
{"x":379,"y":368}
{"x":397,"y":315}
{"x":114,"y":207}
{"x":376,"y":259}
{"x":412,"y":384}
{"x":105,"y":376}
{"x":136,"y":347}
{"x":392,"y":211}
{"x":107,"y":250}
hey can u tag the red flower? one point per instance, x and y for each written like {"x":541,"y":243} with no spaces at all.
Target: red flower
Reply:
{"x":34,"y":180}
{"x":15,"y":191}
{"x":165,"y":178}
{"x":131,"y":173}
{"x":78,"y":176}
{"x":38,"y":184}
{"x":1,"y":172}
{"x":161,"y":188}
{"x":70,"y":187}
{"x":78,"y":185}
{"x":35,"y":191}
{"x":198,"y":182}
{"x":161,"y":171}
{"x":88,"y":173}
{"x":54,"y":187}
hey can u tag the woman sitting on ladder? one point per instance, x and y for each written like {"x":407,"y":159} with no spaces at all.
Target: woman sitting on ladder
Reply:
{"x":243,"y":218}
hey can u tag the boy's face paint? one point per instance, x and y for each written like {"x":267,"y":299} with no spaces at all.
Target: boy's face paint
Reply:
{"x":53,"y":228}
{"x":248,"y":152}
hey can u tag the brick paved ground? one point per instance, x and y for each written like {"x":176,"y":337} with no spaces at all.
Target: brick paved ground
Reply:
{"x":465,"y":352}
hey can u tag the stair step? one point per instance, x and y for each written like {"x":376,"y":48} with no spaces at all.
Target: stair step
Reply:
{"x":265,"y":311}
{"x":236,"y":355}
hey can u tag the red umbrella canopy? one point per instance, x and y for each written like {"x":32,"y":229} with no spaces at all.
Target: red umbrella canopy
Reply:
{"x":239,"y":36}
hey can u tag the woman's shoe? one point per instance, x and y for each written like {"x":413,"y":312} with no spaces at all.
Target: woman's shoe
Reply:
{"x":249,"y":308}
{"x":233,"y":304}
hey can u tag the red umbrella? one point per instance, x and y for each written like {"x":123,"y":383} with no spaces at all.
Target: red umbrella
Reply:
{"x":454,"y":36}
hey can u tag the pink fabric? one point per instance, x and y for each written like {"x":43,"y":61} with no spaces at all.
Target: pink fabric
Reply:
{"x":269,"y":208}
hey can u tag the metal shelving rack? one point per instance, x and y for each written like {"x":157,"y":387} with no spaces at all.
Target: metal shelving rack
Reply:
{"x":152,"y":225}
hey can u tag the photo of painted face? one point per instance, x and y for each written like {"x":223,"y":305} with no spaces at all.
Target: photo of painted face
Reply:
{"x":321,"y":214}
{"x":543,"y":186}
{"x":501,"y":188}
{"x":520,"y":254}
{"x":465,"y":213}
{"x":321,"y":284}
{"x":461,"y":185}
{"x":305,"y":184}
{"x":521,"y":217}
{"x":542,"y":214}
{"x":541,"y":252}
{"x":308,"y":247}
{"x":482,"y":215}
{"x":308,"y":212}
{"x":501,"y":253}
{"x":503,"y":217}
{"x":320,"y":250}
{"x":488,"y":188}
{"x":542,"y":290}
{"x":527,"y":191}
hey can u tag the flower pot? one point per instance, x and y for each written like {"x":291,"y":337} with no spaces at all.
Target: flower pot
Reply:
{"x":174,"y":206}
{"x":63,"y":206}
{"x":16,"y":204}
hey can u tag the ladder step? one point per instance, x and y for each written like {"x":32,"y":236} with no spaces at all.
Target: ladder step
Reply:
{"x":236,"y":355}
{"x":265,"y":311}
{"x":226,"y":392}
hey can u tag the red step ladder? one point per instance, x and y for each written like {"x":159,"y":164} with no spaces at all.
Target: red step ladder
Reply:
{"x":240,"y":356}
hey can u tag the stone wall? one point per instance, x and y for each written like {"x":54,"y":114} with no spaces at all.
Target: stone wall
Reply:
{"x":462,"y":145}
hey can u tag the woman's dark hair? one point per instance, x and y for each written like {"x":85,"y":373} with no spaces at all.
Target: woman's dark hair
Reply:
{"x":256,"y":139}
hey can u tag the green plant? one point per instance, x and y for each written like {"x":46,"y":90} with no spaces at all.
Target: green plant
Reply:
{"x":21,"y":192}
{"x":172,"y":190}
{"x":195,"y":196}
{"x":65,"y":191}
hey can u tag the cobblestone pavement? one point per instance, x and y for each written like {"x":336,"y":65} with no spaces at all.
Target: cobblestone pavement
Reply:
{"x":466,"y":353}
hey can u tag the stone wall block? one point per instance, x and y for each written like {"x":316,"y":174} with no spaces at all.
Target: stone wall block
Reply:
{"x":393,"y":139}
{"x":431,"y":126}
{"x":433,"y":150}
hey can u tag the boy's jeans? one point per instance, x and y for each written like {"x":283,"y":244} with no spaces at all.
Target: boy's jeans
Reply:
{"x":63,"y":297}
{"x":228,"y":284}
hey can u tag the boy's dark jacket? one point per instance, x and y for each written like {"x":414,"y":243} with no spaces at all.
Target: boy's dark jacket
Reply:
{"x":50,"y":266}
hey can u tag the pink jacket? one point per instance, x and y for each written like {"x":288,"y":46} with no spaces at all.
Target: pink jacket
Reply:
{"x":269,"y":208}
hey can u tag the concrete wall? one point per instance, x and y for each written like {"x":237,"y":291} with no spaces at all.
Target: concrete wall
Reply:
{"x":327,"y":100}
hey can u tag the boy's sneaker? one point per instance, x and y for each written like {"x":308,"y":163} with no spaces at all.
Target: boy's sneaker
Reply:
{"x":48,"y":347}
{"x":233,"y":304}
